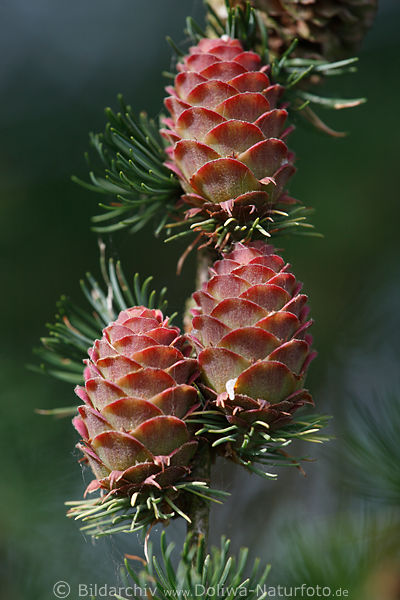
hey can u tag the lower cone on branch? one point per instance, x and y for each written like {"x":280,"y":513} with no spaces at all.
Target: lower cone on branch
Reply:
{"x":136,"y":398}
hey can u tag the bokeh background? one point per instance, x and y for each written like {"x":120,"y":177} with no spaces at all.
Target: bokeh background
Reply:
{"x":61,"y":64}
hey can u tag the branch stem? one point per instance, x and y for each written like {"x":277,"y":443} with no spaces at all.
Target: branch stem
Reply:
{"x":199,"y":509}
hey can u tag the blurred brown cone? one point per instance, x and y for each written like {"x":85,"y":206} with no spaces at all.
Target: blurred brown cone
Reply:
{"x":384,"y":582}
{"x":326,"y":29}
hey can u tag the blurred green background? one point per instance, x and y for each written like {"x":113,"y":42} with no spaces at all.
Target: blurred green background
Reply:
{"x":62,"y":63}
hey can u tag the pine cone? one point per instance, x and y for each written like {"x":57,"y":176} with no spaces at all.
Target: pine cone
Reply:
{"x":251,"y":330}
{"x":136,"y":399}
{"x":325,"y":29}
{"x":226,"y":134}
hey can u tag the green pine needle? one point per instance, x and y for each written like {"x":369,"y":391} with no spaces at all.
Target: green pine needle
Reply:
{"x":371,"y":450}
{"x":106,"y":515}
{"x":341,"y":553}
{"x":75,"y":329}
{"x":131,"y":172}
{"x":257,"y":445}
{"x":276,"y":223}
{"x":197,"y":574}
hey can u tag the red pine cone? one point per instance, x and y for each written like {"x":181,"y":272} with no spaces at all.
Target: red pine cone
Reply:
{"x":136,"y":398}
{"x":251,"y":329}
{"x":226,"y":133}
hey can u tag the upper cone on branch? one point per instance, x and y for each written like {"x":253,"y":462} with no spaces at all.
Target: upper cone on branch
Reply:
{"x":226,"y":134}
{"x":136,"y":398}
{"x":325,"y":29}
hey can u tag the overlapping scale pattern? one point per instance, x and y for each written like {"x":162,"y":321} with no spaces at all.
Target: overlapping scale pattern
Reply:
{"x":251,"y":330}
{"x":226,"y":133}
{"x":136,"y":397}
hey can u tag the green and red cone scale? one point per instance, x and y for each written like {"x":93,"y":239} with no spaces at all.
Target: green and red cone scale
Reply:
{"x":226,"y":134}
{"x":251,"y":330}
